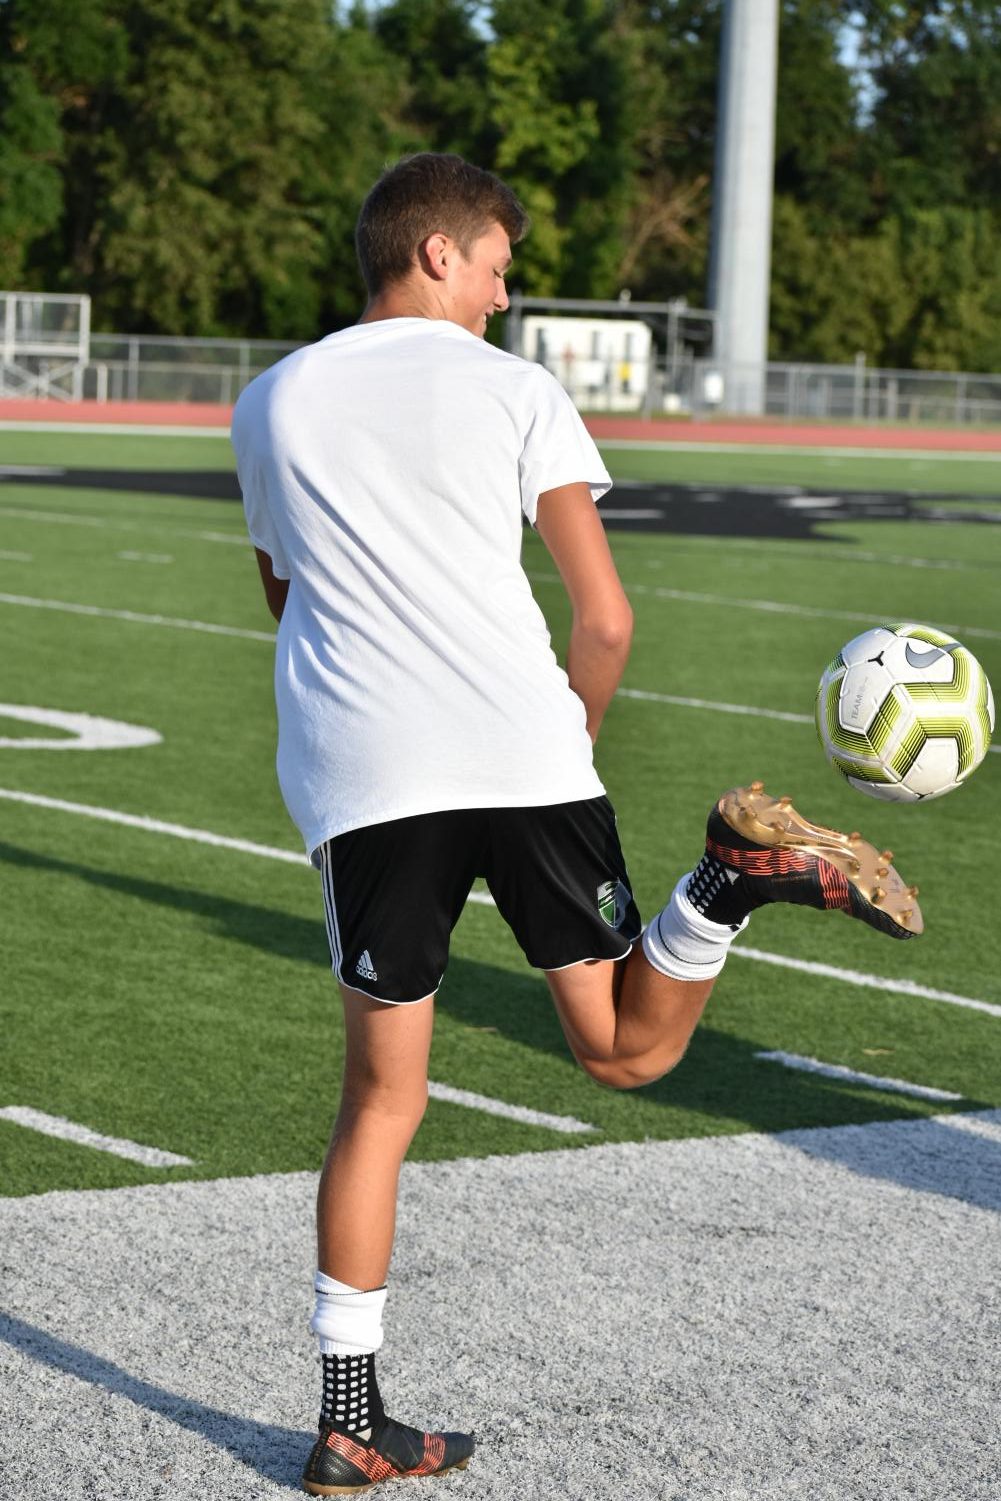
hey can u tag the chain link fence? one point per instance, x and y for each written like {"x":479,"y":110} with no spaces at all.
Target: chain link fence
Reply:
{"x":643,"y":379}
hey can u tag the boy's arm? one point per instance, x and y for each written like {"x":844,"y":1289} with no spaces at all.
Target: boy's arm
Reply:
{"x":275,"y":589}
{"x":567,"y":520}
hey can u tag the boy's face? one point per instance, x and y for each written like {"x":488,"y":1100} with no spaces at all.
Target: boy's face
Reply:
{"x":476,"y":286}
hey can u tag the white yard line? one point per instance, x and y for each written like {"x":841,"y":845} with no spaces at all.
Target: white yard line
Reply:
{"x":717,"y":707}
{"x":771,"y":606}
{"x":662,"y":445}
{"x":484,"y":1103}
{"x":482,"y":898}
{"x":816,"y":551}
{"x":241,"y":633}
{"x":125,"y":429}
{"x":985,"y":1124}
{"x":732,"y":544}
{"x":65,"y":518}
{"x":29,"y":471}
{"x":153,"y":826}
{"x":16,"y":557}
{"x":869,"y":982}
{"x":637,"y":513}
{"x":135,"y":618}
{"x":83,"y":1136}
{"x":853,"y":1076}
{"x":720,"y":707}
{"x":120,"y":523}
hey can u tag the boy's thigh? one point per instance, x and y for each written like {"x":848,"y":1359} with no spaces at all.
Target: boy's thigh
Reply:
{"x":559,"y":878}
{"x":392,"y":893}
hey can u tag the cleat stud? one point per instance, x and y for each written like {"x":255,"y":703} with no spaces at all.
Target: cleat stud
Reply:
{"x":854,"y":837}
{"x":877,"y":894}
{"x":784,"y":802}
{"x":886,"y":855}
{"x":854,"y":867}
{"x":913,"y":890}
{"x":882,"y":870}
{"x":757,"y":786}
{"x":907,"y":914}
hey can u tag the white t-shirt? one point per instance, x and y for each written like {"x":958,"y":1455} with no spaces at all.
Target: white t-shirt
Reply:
{"x":385,"y":471}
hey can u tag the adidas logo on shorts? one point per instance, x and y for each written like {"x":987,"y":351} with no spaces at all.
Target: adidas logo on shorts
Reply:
{"x":364,"y":967}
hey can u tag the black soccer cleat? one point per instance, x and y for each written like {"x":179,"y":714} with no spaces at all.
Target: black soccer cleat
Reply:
{"x":343,"y":1464}
{"x":783,"y":858}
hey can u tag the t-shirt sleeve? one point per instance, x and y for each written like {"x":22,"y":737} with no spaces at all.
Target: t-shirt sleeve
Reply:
{"x":260,"y":522}
{"x":558,"y":448}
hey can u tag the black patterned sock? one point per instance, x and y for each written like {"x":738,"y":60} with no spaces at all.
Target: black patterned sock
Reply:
{"x":351,"y":1397}
{"x":717,"y":892}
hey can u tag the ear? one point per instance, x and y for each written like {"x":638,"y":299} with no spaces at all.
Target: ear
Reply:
{"x":435,"y":255}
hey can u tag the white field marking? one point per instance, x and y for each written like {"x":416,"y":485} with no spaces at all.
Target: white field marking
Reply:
{"x":869,"y":982}
{"x":818,"y":553}
{"x":13,"y":471}
{"x":146,"y":557}
{"x":771,"y":606}
{"x":136,"y":618}
{"x":74,"y":518}
{"x":986,"y":1124}
{"x":853,"y":1076}
{"x":483,"y":898}
{"x":565,"y":1123}
{"x":924,"y":454}
{"x":83,"y":1136}
{"x":166,"y":431}
{"x":64,"y":518}
{"x":718,"y":708}
{"x":252,"y":635}
{"x":153,"y":826}
{"x":16,"y":557}
{"x":609,"y":513}
{"x":724,"y":708}
{"x":86,"y":731}
{"x":115,"y":428}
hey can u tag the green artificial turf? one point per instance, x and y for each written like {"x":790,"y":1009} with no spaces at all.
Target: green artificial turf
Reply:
{"x":180,"y":995}
{"x":880,"y":470}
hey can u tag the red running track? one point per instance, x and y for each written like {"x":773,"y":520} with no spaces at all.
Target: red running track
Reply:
{"x":791,"y":435}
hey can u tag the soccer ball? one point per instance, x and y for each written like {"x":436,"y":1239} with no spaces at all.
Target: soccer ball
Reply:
{"x":905,"y":713}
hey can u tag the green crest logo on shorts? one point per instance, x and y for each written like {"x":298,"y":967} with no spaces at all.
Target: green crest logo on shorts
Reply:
{"x":613,"y":902}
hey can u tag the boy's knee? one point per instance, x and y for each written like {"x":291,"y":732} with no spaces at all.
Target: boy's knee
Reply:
{"x":630,"y":1073}
{"x":400,"y":1104}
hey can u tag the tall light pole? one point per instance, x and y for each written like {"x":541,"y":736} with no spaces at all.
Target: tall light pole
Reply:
{"x":740,"y":250}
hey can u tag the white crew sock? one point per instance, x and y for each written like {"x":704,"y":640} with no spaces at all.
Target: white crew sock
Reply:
{"x":347,"y":1320}
{"x":683,"y":944}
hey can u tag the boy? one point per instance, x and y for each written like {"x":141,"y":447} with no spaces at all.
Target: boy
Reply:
{"x":427,"y":734}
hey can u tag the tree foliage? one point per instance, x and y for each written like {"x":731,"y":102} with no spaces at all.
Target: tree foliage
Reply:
{"x":198,"y":167}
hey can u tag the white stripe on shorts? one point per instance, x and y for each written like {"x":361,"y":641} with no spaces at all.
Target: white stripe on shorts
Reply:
{"x":330,"y":912}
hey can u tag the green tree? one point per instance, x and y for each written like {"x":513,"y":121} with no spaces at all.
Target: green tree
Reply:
{"x":948,"y":258}
{"x":443,"y":48}
{"x":560,"y":118}
{"x":834,"y":295}
{"x":362,"y":109}
{"x":818,"y":142}
{"x":45,"y":65}
{"x":672,"y":49}
{"x":935,"y":71}
{"x":192,"y":156}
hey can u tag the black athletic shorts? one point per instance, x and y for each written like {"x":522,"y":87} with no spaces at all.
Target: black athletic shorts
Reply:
{"x":394,"y":891}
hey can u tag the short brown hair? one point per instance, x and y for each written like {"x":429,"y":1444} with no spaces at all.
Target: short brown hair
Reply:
{"x":424,"y":194}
